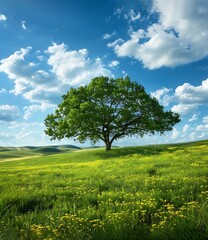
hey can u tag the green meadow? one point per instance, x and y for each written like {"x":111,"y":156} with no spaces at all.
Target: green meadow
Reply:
{"x":148,"y":192}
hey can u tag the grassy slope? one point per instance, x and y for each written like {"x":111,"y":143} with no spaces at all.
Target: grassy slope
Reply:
{"x":155,"y":192}
{"x":28,"y":151}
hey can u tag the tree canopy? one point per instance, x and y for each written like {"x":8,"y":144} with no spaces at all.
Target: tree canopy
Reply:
{"x":108,"y":109}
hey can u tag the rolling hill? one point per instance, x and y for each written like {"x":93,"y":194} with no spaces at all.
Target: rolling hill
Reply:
{"x":29,"y":151}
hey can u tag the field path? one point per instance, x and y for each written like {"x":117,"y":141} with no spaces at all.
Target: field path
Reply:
{"x":18,"y":159}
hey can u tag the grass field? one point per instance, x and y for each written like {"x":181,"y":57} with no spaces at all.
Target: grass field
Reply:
{"x":152,"y":192}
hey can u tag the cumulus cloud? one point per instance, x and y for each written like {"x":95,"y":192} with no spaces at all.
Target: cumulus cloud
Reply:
{"x":3,"y":17}
{"x":15,"y":65}
{"x":184,"y":109}
{"x":175,"y":134}
{"x":113,"y":63}
{"x":202,"y":128}
{"x":205,"y":120}
{"x":162,"y":96}
{"x":190,"y":97}
{"x":29,"y":81}
{"x":185,"y":99}
{"x":179,"y":36}
{"x":188,"y":93}
{"x":65,"y":69}
{"x":186,"y":127}
{"x":74,"y":67}
{"x":8,"y":113}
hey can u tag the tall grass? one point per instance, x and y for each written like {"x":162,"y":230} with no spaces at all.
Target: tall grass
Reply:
{"x":155,"y":192}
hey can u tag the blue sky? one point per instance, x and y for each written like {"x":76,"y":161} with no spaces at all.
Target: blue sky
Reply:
{"x":46,"y":47}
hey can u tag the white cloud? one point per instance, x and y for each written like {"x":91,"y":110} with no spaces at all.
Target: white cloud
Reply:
{"x":193,"y":136}
{"x":23,"y":25}
{"x":108,"y":35}
{"x":8,"y":113}
{"x":162,"y":96}
{"x":66,"y":69}
{"x":205,"y":120}
{"x":184,"y":109}
{"x":179,"y":36}
{"x":190,"y":98}
{"x":74,"y":67}
{"x":186,"y":98}
{"x":175,"y":134}
{"x":193,"y":118}
{"x":113,"y":63}
{"x":186,"y":127}
{"x":124,"y":73}
{"x":132,"y":16}
{"x":3,"y":90}
{"x":190,"y":132}
{"x":3,"y":17}
{"x":202,"y":128}
{"x":203,"y":136}
{"x":183,"y":136}
{"x":188,"y":93}
{"x":15,"y":66}
{"x":116,"y":42}
{"x":30,"y":110}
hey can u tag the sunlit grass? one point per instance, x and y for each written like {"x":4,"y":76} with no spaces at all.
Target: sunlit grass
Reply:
{"x":155,"y":192}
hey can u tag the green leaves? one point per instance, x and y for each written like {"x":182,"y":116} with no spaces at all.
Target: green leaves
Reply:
{"x":108,"y":109}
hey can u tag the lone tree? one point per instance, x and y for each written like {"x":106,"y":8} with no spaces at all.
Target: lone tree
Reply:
{"x":107,"y":110}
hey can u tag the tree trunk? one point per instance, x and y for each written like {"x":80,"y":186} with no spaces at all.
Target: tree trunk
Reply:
{"x":108,"y":146}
